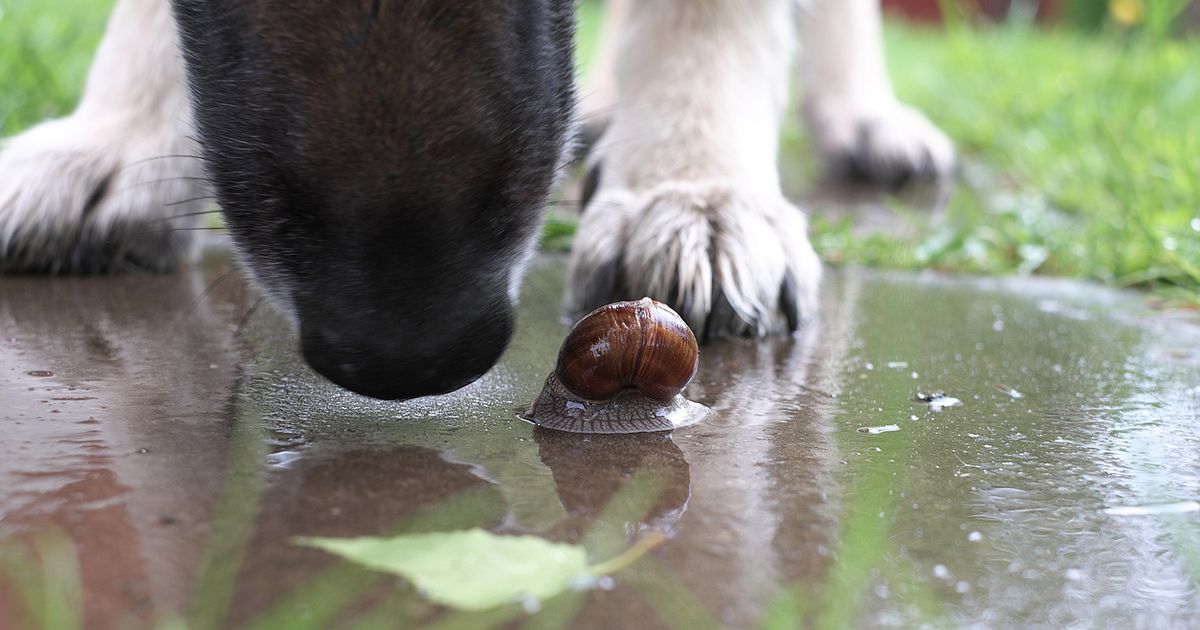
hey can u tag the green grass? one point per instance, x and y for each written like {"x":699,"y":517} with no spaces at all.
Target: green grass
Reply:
{"x":45,"y":49}
{"x":1089,"y":151}
{"x":1083,"y":152}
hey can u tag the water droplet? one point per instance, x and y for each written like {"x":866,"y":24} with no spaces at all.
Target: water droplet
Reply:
{"x":1008,"y":391}
{"x":944,"y":403}
{"x":975,"y":537}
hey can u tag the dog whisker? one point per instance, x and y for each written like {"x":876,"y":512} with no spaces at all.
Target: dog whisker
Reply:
{"x":191,"y":307}
{"x":178,"y":229}
{"x":185,"y":215}
{"x":153,"y":182}
{"x":245,"y":319}
{"x":190,"y":200}
{"x":176,"y":156}
{"x":179,"y":178}
{"x":607,"y":110}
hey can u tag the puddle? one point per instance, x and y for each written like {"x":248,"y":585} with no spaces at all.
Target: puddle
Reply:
{"x":162,"y":436}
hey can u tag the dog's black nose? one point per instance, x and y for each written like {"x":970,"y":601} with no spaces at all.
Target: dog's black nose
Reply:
{"x":394,"y":359}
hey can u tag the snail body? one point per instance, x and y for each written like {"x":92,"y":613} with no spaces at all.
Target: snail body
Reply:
{"x":622,"y":369}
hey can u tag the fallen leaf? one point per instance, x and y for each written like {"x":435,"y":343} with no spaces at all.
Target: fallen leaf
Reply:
{"x":470,"y":569}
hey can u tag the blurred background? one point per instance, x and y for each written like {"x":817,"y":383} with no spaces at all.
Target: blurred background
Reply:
{"x":1075,"y":120}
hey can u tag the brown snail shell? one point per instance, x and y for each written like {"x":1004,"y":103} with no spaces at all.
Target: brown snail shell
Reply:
{"x":642,"y":344}
{"x":622,"y":369}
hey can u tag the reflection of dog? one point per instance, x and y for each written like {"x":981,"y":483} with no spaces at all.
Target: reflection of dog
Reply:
{"x":381,"y":165}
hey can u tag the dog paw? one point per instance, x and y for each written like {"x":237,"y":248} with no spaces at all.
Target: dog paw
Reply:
{"x":86,"y":197}
{"x":731,"y":263}
{"x":889,"y":145}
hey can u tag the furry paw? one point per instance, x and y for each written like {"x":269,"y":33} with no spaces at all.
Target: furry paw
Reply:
{"x":889,"y":145}
{"x":731,"y":263}
{"x":87,"y":197}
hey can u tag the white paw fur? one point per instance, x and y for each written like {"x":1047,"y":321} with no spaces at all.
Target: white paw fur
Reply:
{"x":105,"y":188}
{"x":731,"y":262}
{"x":856,"y":122}
{"x":886,"y":142}
{"x":82,"y":196}
{"x":688,"y":208}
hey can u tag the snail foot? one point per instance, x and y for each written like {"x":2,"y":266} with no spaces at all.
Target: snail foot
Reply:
{"x":629,"y":411}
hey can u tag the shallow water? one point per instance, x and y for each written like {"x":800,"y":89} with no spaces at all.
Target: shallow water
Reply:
{"x":164,"y":444}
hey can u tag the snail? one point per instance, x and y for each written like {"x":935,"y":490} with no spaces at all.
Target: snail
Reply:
{"x":622,"y":369}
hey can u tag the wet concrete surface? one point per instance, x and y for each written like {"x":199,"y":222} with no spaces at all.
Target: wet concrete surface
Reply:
{"x":163,"y":443}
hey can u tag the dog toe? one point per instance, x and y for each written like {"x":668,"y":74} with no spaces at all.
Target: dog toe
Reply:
{"x":731,"y":263}
{"x":891,"y":146}
{"x":71,"y":203}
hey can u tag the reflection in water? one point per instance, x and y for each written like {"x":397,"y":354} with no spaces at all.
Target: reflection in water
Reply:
{"x":746,"y":495}
{"x":181,"y":448}
{"x":995,"y":507}
{"x":121,"y":448}
{"x":763,"y":504}
{"x":590,"y":471}
{"x":343,"y":491}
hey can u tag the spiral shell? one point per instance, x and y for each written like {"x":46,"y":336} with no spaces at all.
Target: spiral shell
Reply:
{"x":622,"y":370}
{"x":642,"y":344}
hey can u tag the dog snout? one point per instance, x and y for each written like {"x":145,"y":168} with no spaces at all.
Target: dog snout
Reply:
{"x":394,"y":358}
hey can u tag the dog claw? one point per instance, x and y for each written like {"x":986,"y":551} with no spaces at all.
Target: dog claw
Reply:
{"x":732,"y":264}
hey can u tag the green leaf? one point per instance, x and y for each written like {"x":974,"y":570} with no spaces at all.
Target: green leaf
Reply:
{"x":471,"y":569}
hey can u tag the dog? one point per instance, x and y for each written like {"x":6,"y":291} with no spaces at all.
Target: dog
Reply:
{"x":382,"y":165}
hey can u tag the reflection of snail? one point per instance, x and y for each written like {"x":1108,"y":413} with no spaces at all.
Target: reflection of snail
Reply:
{"x":621,"y":370}
{"x":647,"y":472}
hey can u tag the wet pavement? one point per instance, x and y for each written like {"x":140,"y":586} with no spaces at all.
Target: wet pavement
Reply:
{"x":163,"y":445}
